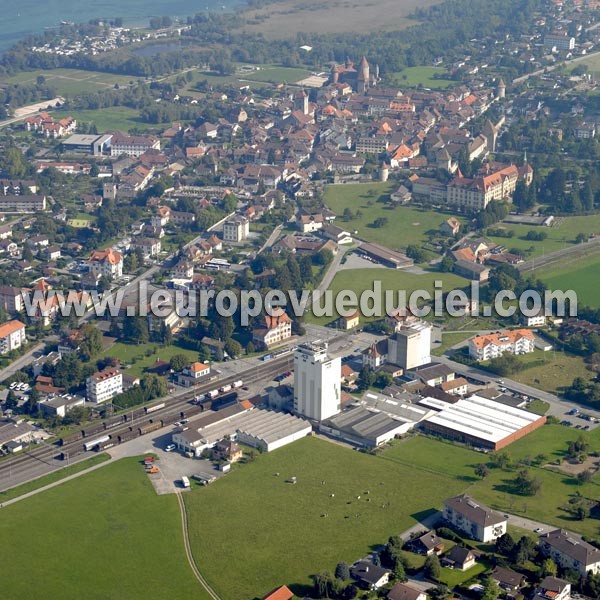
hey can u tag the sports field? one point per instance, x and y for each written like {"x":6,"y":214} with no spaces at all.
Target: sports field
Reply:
{"x":105,"y":535}
{"x":272,"y":532}
{"x":121,"y":118}
{"x":70,"y":82}
{"x":405,"y":224}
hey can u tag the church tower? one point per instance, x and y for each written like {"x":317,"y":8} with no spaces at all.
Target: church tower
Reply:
{"x":501,"y":90}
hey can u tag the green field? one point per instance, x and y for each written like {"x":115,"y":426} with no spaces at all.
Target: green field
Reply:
{"x":106,"y":535}
{"x":121,"y":118}
{"x":273,"y":532}
{"x":359,"y":280}
{"x":551,"y":371}
{"x":70,"y":82}
{"x":496,"y":490}
{"x":275,"y":74}
{"x":40,"y":482}
{"x":421,"y":76}
{"x":406,"y":225}
{"x":135,"y":355}
{"x":579,"y":274}
{"x":559,"y":237}
{"x":449,"y":339}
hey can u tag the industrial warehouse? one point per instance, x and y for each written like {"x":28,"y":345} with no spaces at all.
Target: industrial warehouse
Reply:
{"x":480,"y":422}
{"x":262,"y":429}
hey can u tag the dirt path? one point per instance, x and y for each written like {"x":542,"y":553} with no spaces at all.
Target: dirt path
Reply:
{"x":188,"y":551}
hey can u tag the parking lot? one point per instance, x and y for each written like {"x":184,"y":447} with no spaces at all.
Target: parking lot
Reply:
{"x":171,"y":465}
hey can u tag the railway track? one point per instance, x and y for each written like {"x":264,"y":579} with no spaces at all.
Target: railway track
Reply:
{"x":51,"y":454}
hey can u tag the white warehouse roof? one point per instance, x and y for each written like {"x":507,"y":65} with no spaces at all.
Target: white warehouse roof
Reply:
{"x":480,"y":417}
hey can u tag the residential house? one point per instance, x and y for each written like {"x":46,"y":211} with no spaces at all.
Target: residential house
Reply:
{"x":456,"y":387}
{"x":450,"y":227}
{"x":107,"y":263}
{"x":349,"y":322}
{"x":194,"y":374}
{"x":227,"y":450}
{"x":427,"y":544}
{"x":148,"y":246}
{"x":369,"y":576}
{"x":508,"y":580}
{"x":476,"y":520}
{"x":280,"y":593}
{"x":376,"y":355}
{"x":553,"y":588}
{"x":11,"y":298}
{"x":459,"y":558}
{"x":404,"y":591}
{"x":277,"y":328}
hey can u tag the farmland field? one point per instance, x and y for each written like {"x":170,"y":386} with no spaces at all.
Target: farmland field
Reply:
{"x":275,"y":74}
{"x":550,"y":371}
{"x":416,"y":76}
{"x":579,"y":274}
{"x":252,"y":515}
{"x":288,"y":18}
{"x":117,"y":117}
{"x":559,"y":237}
{"x":405,"y":224}
{"x":70,"y":82}
{"x":105,"y":535}
{"x":497,"y":489}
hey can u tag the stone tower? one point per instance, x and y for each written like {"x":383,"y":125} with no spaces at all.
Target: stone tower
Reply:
{"x":501,"y":90}
{"x":384,"y":171}
{"x":363,"y":78}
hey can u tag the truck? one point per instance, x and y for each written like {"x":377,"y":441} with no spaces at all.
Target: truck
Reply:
{"x":237,"y":384}
{"x":87,"y":446}
{"x":185,"y":482}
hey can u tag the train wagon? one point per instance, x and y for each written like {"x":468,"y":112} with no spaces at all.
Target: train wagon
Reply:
{"x":212,"y":394}
{"x":169,"y":419}
{"x":154,"y":407}
{"x":108,"y":444}
{"x":148,"y":427}
{"x":91,"y":445}
{"x":224,"y":401}
{"x":138,"y":412}
{"x":225,"y":389}
{"x":72,"y":437}
{"x":125,"y":436}
{"x":113,"y":422}
{"x":191,"y":411}
{"x":93,"y":429}
{"x":237,"y":384}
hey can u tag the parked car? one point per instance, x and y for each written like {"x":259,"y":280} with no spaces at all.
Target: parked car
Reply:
{"x":170,"y":448}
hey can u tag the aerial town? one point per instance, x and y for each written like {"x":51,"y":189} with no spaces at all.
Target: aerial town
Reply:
{"x":302,"y":306}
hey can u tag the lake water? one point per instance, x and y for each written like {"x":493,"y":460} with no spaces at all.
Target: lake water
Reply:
{"x":25,"y":17}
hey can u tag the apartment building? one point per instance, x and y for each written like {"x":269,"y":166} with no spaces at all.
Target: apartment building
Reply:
{"x":476,"y":520}
{"x":104,"y":385}
{"x":12,"y":336}
{"x":492,"y":345}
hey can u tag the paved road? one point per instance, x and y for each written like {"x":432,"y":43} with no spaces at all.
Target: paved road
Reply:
{"x":558,"y":406}
{"x":21,"y":362}
{"x":271,"y":239}
{"x":558,"y":66}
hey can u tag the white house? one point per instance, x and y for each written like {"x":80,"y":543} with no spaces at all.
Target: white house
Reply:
{"x":108,"y":263}
{"x":476,"y":520}
{"x":12,"y":336}
{"x":569,"y":551}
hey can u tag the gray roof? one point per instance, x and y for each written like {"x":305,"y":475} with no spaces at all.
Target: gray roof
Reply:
{"x":367,"y":571}
{"x":473,"y":511}
{"x":571,"y":545}
{"x":554,"y":584}
{"x":9,"y":431}
{"x":432,"y":371}
{"x":363,"y":423}
{"x":403,"y":591}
